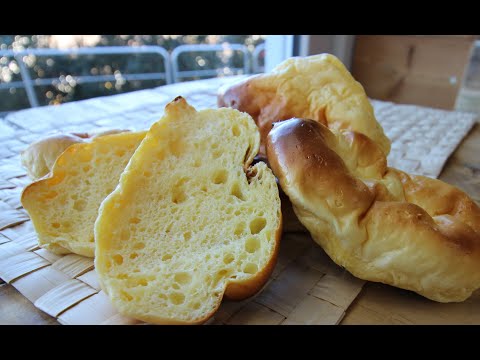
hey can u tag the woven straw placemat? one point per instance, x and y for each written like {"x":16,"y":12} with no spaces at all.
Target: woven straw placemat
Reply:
{"x":306,"y":286}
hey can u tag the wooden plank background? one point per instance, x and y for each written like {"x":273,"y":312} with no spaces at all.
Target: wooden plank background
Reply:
{"x":409,"y":69}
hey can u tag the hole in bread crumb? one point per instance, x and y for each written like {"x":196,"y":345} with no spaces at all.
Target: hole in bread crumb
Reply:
{"x":175,"y":286}
{"x":139,"y":246}
{"x":257,"y":225}
{"x":222,"y":272}
{"x":120,"y":152}
{"x":197,"y":163}
{"x":250,"y":268}
{"x":221,"y":275}
{"x":239,"y":228}
{"x":196,"y":306}
{"x":134,"y":220}
{"x":187,"y":235}
{"x":56,"y":225}
{"x":252,"y":245}
{"x":237,"y":191}
{"x":79,"y":205}
{"x":216,"y":154}
{"x":162,"y":296}
{"x":126,"y":296}
{"x":228,"y":258}
{"x":166,"y":257}
{"x":92,"y":239}
{"x":178,"y":196}
{"x":133,"y":256}
{"x":87,"y":168}
{"x":118,"y":259}
{"x":183,"y":278}
{"x":220,"y":176}
{"x":177,"y":298}
{"x":236,"y":130}
{"x":142,"y":282}
{"x":147,"y":173}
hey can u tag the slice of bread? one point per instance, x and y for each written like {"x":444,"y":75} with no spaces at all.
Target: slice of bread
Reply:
{"x":64,"y":205}
{"x":191,"y":220}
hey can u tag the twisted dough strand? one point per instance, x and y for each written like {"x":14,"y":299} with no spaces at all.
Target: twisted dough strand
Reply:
{"x":380,"y":223}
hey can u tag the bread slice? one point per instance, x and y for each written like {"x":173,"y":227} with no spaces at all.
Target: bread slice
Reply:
{"x":191,"y":220}
{"x":63,"y":206}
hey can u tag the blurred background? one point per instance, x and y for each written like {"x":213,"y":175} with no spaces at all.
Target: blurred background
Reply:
{"x":53,"y":68}
{"x":38,"y":70}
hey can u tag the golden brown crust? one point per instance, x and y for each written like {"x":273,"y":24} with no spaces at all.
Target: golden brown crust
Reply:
{"x":380,"y":223}
{"x":317,"y":87}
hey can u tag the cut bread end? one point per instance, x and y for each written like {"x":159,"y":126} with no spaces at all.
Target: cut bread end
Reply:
{"x":64,"y":205}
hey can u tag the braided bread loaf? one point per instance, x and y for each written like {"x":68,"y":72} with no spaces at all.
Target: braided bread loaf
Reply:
{"x":316,"y":87}
{"x":380,"y":223}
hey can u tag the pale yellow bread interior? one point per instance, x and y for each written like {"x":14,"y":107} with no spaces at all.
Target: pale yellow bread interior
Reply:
{"x":63,"y":205}
{"x":191,"y":220}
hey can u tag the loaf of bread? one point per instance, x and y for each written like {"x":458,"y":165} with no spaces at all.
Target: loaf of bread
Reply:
{"x":380,"y":223}
{"x":191,"y":219}
{"x":38,"y":158}
{"x":63,"y":206}
{"x":316,"y":87}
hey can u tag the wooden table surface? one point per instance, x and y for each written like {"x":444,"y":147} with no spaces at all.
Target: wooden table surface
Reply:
{"x":377,"y":303}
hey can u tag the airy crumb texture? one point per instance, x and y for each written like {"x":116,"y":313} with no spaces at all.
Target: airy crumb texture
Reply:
{"x":190,"y":220}
{"x":64,"y":205}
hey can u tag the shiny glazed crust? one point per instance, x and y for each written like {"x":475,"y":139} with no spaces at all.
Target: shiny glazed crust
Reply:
{"x":380,"y":223}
